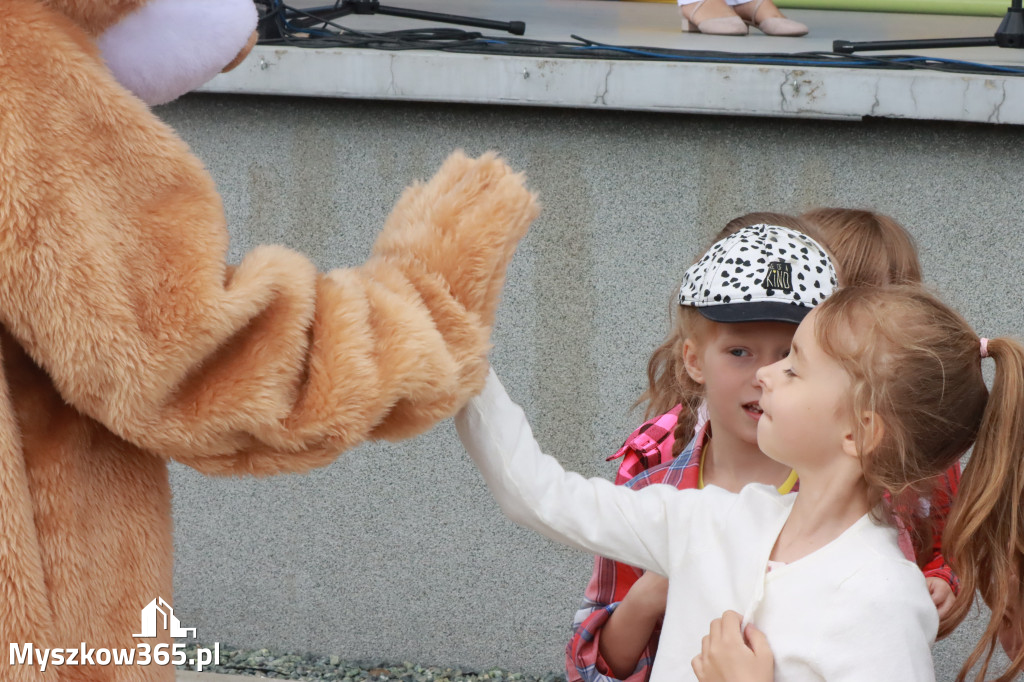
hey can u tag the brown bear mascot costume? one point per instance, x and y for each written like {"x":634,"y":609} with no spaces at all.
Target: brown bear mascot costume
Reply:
{"x":126,"y":339}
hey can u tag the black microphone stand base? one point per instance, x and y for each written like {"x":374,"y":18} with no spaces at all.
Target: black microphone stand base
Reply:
{"x":316,"y":15}
{"x":1009,"y":34}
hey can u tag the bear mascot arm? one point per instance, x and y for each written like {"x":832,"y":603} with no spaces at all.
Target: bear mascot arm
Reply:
{"x":126,"y":339}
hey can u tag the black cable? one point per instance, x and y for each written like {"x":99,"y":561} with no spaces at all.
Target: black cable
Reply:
{"x":276,"y":29}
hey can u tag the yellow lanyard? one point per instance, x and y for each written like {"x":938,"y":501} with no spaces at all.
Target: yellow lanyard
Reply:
{"x":786,"y":486}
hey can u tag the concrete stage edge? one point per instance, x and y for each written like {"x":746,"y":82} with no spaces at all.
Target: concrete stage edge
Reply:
{"x":704,"y":88}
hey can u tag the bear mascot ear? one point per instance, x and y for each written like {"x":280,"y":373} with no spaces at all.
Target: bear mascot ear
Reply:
{"x":162,"y":49}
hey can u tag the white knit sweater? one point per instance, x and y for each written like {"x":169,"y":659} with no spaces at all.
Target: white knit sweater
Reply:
{"x":853,"y":611}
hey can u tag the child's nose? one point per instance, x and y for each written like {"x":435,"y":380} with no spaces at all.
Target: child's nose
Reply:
{"x":762,"y":376}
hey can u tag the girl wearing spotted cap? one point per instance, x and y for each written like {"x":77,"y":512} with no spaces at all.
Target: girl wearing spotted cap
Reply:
{"x":738,"y":309}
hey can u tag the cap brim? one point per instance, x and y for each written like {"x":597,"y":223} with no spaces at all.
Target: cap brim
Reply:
{"x":755,"y":311}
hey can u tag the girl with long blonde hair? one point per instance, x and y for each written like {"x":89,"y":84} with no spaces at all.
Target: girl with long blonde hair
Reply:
{"x":881,"y":392}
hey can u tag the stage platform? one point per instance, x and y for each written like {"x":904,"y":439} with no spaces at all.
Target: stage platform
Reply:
{"x":721,"y":88}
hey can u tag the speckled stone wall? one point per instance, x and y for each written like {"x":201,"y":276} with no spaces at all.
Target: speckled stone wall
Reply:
{"x":396,"y":552}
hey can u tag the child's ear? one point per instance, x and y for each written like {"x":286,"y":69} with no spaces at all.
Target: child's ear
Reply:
{"x":870,"y":430}
{"x":692,"y":361}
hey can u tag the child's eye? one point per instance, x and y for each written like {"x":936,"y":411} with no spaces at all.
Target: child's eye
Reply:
{"x":739,"y":352}
{"x":789,"y":372}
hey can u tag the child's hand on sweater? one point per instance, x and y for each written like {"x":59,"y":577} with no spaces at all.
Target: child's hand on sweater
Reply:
{"x":731,"y":654}
{"x":942,"y":595}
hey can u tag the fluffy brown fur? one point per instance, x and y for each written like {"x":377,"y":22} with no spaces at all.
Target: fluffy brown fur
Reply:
{"x":127,"y":341}
{"x":95,"y":16}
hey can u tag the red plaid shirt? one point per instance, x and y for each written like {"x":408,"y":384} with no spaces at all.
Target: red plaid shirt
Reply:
{"x":647,"y":459}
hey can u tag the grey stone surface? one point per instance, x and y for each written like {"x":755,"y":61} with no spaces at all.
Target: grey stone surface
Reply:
{"x":396,"y":552}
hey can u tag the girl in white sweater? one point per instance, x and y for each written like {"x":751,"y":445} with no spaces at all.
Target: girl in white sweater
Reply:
{"x":881,"y":392}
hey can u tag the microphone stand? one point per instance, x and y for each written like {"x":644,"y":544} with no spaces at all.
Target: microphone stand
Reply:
{"x":311,"y":17}
{"x":1009,"y":34}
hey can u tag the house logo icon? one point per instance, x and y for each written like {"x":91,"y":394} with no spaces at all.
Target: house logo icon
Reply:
{"x":159,"y":610}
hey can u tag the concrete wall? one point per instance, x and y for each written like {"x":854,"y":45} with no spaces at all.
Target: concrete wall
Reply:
{"x":396,"y":552}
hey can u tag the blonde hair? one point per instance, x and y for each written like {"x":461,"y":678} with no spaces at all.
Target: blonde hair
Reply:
{"x":915,"y":365}
{"x":872,"y":249}
{"x":668,"y":383}
{"x":869,"y":249}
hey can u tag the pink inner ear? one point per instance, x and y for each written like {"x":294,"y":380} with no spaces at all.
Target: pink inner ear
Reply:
{"x":169,"y":47}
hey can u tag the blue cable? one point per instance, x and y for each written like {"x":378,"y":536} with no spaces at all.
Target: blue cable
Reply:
{"x":736,"y":60}
{"x":916,"y":58}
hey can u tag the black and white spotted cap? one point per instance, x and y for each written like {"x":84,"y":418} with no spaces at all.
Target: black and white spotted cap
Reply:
{"x":759,"y":273}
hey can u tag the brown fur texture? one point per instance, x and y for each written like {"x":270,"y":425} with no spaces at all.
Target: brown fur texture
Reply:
{"x":95,"y":16}
{"x":127,"y":341}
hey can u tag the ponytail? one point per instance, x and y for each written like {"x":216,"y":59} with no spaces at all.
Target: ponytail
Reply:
{"x":917,"y":364}
{"x":984,"y":535}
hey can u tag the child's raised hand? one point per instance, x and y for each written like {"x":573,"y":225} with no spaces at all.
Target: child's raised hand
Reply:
{"x":729,"y":654}
{"x":942,"y":595}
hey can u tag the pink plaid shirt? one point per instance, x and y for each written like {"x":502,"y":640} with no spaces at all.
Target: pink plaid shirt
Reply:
{"x":611,"y":580}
